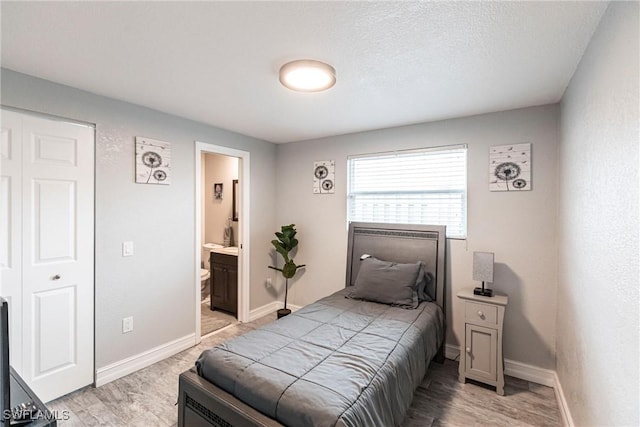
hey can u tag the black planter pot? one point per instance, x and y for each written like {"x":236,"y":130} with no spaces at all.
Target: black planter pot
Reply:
{"x":283,"y":312}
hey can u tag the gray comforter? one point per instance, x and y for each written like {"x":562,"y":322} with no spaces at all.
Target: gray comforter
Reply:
{"x":336,"y":362}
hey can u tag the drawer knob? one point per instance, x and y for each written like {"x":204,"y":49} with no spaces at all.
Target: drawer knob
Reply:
{"x":469,"y":350}
{"x":480,"y":314}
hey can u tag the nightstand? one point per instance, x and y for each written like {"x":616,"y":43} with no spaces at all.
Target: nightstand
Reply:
{"x":481,"y":353}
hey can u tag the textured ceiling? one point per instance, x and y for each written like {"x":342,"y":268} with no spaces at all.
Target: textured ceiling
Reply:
{"x":397,"y":63}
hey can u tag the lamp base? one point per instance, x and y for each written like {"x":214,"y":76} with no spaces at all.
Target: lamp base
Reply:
{"x":484,"y":292}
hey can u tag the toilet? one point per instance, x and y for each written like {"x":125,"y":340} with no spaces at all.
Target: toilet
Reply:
{"x":204,"y":279}
{"x":204,"y":271}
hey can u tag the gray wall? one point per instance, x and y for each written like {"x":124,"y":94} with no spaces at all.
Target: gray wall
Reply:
{"x":519,"y":227}
{"x":156,"y":286}
{"x":597,"y":342}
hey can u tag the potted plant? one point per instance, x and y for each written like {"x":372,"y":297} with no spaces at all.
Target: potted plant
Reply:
{"x":284,"y":245}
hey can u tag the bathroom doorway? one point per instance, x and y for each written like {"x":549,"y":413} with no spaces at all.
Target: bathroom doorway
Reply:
{"x":222,"y":187}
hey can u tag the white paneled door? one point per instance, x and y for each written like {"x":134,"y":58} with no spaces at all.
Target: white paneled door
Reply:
{"x":47,"y":250}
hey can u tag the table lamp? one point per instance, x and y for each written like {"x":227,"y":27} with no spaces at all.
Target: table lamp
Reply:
{"x":483,"y":271}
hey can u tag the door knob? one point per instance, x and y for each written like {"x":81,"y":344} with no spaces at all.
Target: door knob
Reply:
{"x":56,"y":277}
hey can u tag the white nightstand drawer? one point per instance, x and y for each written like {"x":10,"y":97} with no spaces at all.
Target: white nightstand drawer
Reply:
{"x":476,"y":312}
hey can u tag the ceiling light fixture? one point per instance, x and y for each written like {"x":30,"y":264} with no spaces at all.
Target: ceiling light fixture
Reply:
{"x":307,"y":75}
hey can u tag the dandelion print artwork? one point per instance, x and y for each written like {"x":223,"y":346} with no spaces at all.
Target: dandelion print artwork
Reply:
{"x":153,"y":161}
{"x":324,"y":173}
{"x":510,"y":167}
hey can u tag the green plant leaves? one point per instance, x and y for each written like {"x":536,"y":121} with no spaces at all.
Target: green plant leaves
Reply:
{"x":286,"y":243}
{"x":289,"y":269}
{"x":281,"y":249}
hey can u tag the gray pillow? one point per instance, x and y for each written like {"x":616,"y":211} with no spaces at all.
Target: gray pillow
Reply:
{"x":425,"y":288}
{"x":387,"y":282}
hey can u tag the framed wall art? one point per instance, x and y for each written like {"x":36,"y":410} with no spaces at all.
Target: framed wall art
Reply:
{"x":510,"y":167}
{"x":153,"y":161}
{"x":324,"y":177}
{"x":218,"y":189}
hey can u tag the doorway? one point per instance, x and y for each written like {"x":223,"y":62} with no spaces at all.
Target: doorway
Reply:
{"x":219,"y":257}
{"x":222,"y":204}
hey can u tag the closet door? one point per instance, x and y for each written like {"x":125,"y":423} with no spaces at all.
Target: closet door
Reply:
{"x":57,"y":204}
{"x":11,"y":229}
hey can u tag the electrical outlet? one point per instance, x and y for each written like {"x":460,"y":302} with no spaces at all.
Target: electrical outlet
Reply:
{"x":268,"y":283}
{"x":127,"y":324}
{"x":127,"y":248}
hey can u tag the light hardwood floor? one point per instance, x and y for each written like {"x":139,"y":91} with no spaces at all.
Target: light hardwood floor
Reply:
{"x":212,"y":320}
{"x":148,"y":397}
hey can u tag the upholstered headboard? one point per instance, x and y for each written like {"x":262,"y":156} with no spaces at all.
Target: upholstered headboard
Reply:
{"x":402,"y":243}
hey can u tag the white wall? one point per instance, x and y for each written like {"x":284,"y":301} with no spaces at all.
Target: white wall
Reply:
{"x":519,"y":227}
{"x":157,"y":283}
{"x":598,"y":325}
{"x":223,"y":169}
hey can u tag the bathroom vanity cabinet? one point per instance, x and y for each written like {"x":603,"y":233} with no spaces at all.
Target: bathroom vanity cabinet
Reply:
{"x":224,"y":282}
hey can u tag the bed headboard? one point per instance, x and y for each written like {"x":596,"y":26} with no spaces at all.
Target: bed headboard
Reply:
{"x":402,"y":243}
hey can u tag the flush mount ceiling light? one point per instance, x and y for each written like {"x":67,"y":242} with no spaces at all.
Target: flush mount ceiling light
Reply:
{"x":307,"y":75}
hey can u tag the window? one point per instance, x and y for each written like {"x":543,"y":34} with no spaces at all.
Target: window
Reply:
{"x":427,"y":186}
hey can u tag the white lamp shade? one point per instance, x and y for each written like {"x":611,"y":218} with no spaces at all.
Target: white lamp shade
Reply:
{"x":483,"y":266}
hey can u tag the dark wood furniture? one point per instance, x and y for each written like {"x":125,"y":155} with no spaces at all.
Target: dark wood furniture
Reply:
{"x":201,"y":403}
{"x":224,"y":282}
{"x":20,"y":392}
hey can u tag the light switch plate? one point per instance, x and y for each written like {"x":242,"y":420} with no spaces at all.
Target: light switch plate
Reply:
{"x":127,"y":324}
{"x":127,"y":248}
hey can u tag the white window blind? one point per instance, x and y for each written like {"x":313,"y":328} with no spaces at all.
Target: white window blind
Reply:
{"x":411,"y":187}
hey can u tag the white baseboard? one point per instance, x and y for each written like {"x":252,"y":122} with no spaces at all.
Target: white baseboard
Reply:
{"x":294,"y":307}
{"x":257,"y":313}
{"x":567,"y":419}
{"x":131,"y":364}
{"x":513,"y":368}
{"x":451,"y":352}
{"x":531,"y":373}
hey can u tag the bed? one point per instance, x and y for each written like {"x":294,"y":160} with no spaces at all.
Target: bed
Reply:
{"x":343,"y":360}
